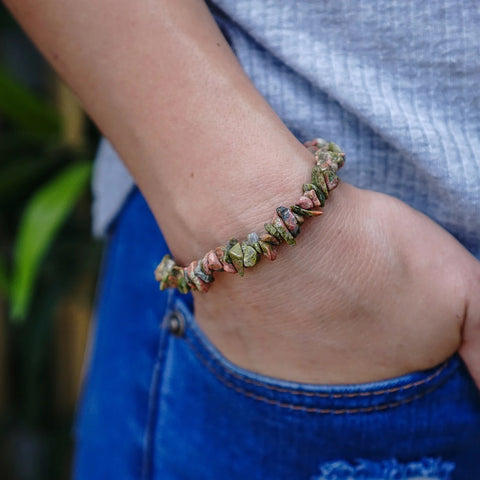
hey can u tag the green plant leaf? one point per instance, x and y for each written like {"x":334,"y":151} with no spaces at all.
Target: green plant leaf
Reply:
{"x":24,"y":109}
{"x":44,"y":214}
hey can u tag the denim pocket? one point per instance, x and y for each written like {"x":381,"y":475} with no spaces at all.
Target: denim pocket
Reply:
{"x":317,"y":398}
{"x":216,"y":420}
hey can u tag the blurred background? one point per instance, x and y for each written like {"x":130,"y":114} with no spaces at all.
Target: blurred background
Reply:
{"x":48,"y":260}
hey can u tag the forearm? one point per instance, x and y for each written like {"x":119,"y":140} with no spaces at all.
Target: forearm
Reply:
{"x":364,"y":295}
{"x":161,"y":82}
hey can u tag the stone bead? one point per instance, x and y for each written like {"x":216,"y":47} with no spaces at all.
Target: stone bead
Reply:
{"x":319,"y":198}
{"x":337,"y":159}
{"x":229,"y":268}
{"x":323,"y":156}
{"x":318,"y":179}
{"x":190,"y":284}
{"x":341,"y":160}
{"x":313,"y":197}
{"x":305,"y":213}
{"x":203,"y":286}
{"x":164,"y":268}
{"x":320,"y":195}
{"x":171,"y":280}
{"x":236,"y":256}
{"x":289,"y":220}
{"x":283,"y":231}
{"x":227,"y":265}
{"x":202,"y":275}
{"x":213,"y":262}
{"x":320,"y":142}
{"x":220,"y":252}
{"x":300,"y":218}
{"x":193,"y":281}
{"x":305,"y":202}
{"x":252,"y":240}
{"x":204,"y":265}
{"x":226,"y":257}
{"x":330,"y":160}
{"x":324,"y":166}
{"x":267,"y":238}
{"x":182,"y":284}
{"x":307,"y":186}
{"x":175,"y":279}
{"x":333,"y":147}
{"x":191,"y":268}
{"x":331,"y":179}
{"x":269,"y":227}
{"x":270,"y":251}
{"x":250,"y":255}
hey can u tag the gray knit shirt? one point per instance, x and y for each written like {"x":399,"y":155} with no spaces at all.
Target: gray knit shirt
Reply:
{"x":396,"y":83}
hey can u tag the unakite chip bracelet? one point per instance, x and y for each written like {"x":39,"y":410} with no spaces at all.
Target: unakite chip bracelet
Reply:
{"x":237,"y":255}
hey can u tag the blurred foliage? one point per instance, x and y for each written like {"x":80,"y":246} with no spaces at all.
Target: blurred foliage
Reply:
{"x":46,"y":250}
{"x":34,"y":135}
{"x":45,"y":213}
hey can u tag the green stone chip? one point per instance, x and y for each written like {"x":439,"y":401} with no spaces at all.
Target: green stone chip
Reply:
{"x":226,"y":257}
{"x":301,"y":211}
{"x":250,"y":255}
{"x":283,"y":231}
{"x":236,"y":255}
{"x":273,"y":231}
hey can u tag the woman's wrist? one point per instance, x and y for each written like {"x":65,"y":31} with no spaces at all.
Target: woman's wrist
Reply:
{"x":240,"y":253}
{"x":212,"y":205}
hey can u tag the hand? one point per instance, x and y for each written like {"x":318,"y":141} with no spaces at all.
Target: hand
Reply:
{"x":373,"y":289}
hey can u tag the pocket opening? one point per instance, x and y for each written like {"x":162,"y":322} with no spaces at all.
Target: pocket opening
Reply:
{"x":321,"y":398}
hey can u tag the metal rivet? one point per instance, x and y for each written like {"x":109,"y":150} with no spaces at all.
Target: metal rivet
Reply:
{"x":176,"y":324}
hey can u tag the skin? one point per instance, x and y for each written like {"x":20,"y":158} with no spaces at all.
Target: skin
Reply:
{"x":372,"y":290}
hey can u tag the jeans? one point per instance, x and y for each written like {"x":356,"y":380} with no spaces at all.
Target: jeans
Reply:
{"x":161,"y":402}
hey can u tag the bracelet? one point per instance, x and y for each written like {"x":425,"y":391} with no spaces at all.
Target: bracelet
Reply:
{"x":235,"y":256}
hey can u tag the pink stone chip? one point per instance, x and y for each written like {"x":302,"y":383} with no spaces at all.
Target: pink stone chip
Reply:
{"x":305,"y":202}
{"x":191,"y":268}
{"x":212,"y":261}
{"x":187,"y":271}
{"x":267,"y":238}
{"x":331,"y":182}
{"x":229,"y":268}
{"x":205,"y":266}
{"x":290,"y":221}
{"x":226,"y":267}
{"x":197,"y":283}
{"x":313,"y":197}
{"x":201,"y":285}
{"x":269,"y":251}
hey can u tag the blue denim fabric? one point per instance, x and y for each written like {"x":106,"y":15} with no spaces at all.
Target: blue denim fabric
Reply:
{"x":160,"y":401}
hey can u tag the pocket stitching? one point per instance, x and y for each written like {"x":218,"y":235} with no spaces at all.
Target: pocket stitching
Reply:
{"x":407,"y":386}
{"x":291,"y":406}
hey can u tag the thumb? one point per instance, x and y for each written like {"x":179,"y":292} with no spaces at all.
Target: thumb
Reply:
{"x":470,"y":348}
